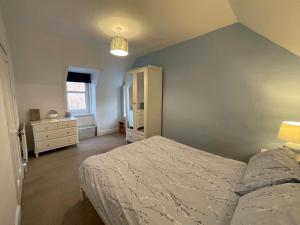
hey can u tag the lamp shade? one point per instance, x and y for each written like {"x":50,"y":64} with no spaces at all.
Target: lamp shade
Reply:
{"x":290,"y":132}
{"x":119,"y":46}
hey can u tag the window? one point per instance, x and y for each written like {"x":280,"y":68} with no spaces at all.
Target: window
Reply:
{"x":78,"y":97}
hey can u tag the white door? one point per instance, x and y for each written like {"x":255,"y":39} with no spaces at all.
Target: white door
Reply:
{"x":8,"y":93}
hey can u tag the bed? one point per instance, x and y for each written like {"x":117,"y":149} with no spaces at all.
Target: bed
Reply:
{"x":160,"y":181}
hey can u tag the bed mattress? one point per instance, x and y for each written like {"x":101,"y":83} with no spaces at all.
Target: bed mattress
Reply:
{"x":158,"y":181}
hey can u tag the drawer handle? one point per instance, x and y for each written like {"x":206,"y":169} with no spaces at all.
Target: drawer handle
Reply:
{"x":47,"y":136}
{"x":48,"y":145}
{"x":69,"y":140}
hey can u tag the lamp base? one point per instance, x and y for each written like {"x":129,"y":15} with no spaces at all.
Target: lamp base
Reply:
{"x":293,"y":146}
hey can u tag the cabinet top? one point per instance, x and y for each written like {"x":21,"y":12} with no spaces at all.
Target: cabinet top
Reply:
{"x":45,"y":121}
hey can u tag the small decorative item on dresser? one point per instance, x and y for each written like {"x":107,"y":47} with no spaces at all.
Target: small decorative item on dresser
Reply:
{"x":68,"y":115}
{"x":52,"y":114}
{"x":34,"y":114}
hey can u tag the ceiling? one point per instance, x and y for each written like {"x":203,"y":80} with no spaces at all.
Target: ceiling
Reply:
{"x":155,"y":24}
{"x":277,"y":20}
{"x":148,"y":24}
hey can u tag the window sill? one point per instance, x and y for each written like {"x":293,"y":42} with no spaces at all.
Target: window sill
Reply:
{"x":82,"y":115}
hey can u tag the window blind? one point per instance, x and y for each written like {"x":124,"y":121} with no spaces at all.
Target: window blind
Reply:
{"x":79,"y":77}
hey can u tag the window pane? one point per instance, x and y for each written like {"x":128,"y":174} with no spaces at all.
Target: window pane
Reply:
{"x":75,"y":86}
{"x":76,"y":101}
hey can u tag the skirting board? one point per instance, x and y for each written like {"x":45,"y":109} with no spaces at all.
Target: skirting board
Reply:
{"x":18,"y":215}
{"x":107,"y":131}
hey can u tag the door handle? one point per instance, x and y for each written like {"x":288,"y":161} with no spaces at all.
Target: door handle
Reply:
{"x":17,"y":132}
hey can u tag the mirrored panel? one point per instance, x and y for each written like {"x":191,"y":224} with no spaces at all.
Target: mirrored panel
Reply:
{"x":140,"y":102}
{"x":129,"y":102}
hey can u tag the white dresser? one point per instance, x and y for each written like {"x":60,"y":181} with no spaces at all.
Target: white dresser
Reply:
{"x":54,"y":133}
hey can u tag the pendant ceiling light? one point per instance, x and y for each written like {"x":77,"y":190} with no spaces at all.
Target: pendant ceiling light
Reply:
{"x":119,"y":44}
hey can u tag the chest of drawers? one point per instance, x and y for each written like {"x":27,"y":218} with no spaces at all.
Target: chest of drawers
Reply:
{"x":51,"y":134}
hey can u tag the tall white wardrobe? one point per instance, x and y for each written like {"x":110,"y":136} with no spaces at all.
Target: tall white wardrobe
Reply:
{"x":143,"y":96}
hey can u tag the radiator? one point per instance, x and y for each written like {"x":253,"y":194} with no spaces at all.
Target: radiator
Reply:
{"x":86,"y":132}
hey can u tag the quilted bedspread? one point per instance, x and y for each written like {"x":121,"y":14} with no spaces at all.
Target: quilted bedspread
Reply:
{"x":158,"y":181}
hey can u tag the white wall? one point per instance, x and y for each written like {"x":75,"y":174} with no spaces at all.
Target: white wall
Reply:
{"x":40,"y":62}
{"x":8,"y":196}
{"x":227,"y":92}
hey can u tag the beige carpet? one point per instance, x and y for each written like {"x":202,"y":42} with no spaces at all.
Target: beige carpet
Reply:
{"x":51,"y":186}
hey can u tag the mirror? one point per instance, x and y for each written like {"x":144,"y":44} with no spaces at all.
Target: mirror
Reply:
{"x":140,"y":102}
{"x":129,"y":102}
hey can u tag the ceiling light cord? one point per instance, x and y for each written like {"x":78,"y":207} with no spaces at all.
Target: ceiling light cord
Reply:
{"x":119,"y":29}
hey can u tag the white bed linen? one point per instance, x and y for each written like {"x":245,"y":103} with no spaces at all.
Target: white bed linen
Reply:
{"x":158,"y":181}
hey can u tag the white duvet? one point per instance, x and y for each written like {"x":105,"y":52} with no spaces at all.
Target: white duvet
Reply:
{"x":158,"y":181}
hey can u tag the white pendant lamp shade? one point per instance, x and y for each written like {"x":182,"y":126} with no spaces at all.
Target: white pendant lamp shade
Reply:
{"x":119,"y":45}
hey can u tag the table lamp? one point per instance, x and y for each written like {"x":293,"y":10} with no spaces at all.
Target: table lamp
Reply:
{"x":290,"y":131}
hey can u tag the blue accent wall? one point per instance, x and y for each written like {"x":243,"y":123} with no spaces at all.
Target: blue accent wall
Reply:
{"x":227,"y":92}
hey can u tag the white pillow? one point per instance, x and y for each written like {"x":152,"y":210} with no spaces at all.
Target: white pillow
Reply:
{"x":277,"y":205}
{"x":269,"y":168}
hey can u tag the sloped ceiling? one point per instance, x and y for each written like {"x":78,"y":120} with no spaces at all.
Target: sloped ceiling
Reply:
{"x":154,"y":24}
{"x":148,"y":24}
{"x":277,"y":20}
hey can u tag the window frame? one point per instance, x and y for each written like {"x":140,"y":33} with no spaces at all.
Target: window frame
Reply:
{"x":78,"y":112}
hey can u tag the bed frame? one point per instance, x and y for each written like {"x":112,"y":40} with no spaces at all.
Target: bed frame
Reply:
{"x":83,"y":197}
{"x":82,"y":194}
